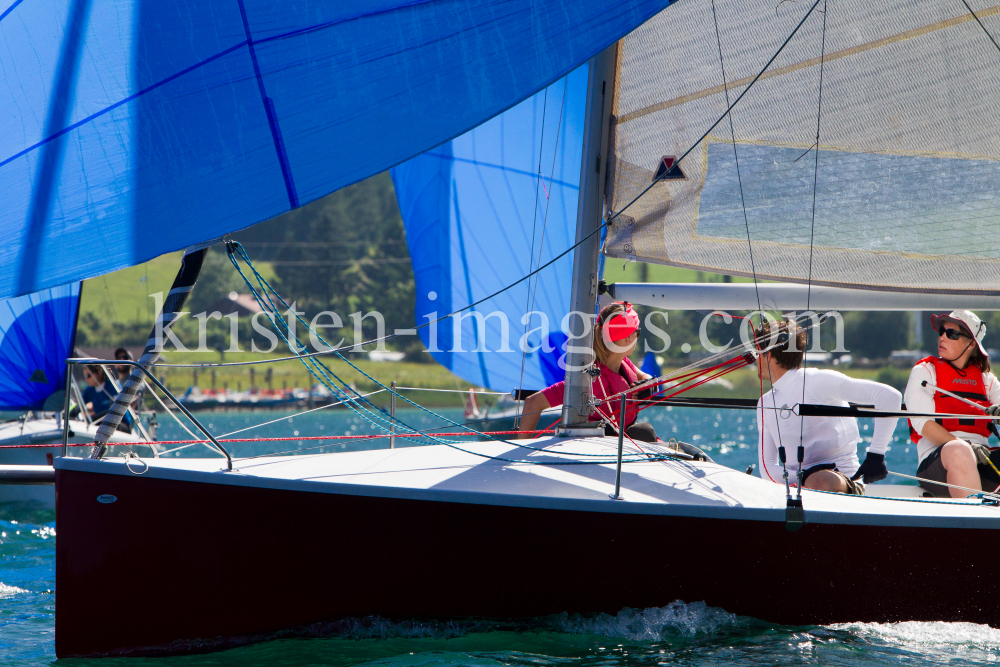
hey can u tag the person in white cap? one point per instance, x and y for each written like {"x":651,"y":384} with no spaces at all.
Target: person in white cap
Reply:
{"x":954,"y":450}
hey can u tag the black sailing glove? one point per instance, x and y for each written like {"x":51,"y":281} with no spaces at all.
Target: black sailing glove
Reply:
{"x":873,"y":469}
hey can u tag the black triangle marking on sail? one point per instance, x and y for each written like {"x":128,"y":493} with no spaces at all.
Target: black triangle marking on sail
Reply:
{"x":39,"y":376}
{"x":669,"y":170}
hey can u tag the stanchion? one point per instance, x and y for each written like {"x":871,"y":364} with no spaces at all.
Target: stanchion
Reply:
{"x":392,"y":415}
{"x":621,"y":443}
{"x":65,"y":433}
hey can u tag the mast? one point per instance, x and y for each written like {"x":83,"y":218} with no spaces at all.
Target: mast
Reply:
{"x":583,"y":299}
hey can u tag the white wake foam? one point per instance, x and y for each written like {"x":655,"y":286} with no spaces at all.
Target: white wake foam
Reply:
{"x":9,"y":591}
{"x":929,"y":634}
{"x":677,"y":618}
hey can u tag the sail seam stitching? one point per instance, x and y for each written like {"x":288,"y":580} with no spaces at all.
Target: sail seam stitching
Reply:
{"x":133,"y":96}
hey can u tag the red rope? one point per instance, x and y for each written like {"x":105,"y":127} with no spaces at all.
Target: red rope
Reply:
{"x":308,"y":437}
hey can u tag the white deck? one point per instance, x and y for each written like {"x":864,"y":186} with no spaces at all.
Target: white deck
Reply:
{"x":441,"y":473}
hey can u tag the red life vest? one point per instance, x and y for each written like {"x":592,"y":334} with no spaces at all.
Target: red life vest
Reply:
{"x":967,"y":383}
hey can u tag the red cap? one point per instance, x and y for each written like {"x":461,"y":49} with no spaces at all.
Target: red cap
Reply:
{"x":622,"y":325}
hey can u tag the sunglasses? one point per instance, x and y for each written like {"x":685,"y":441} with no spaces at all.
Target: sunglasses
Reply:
{"x":952,"y":334}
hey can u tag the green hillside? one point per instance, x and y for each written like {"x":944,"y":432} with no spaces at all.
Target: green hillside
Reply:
{"x":616,"y":270}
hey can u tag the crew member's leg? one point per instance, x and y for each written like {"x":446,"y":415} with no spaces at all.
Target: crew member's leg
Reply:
{"x":826,"y":480}
{"x":959,"y":462}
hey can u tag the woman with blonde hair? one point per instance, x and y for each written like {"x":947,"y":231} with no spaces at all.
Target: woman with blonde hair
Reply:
{"x":615,"y":336}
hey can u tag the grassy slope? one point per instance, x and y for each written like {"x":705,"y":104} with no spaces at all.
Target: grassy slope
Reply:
{"x":123,"y":296}
{"x":294,"y":374}
{"x":615,"y":270}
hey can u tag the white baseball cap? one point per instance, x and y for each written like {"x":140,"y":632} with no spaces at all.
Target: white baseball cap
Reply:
{"x":966,"y":319}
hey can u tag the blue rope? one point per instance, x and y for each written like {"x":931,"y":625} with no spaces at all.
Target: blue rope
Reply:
{"x":317,"y":369}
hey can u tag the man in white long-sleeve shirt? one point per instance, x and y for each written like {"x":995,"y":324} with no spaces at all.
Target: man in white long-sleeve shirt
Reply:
{"x":953,"y":450}
{"x":830,"y":444}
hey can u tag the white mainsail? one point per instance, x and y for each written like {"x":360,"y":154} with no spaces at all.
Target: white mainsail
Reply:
{"x":907,"y":178}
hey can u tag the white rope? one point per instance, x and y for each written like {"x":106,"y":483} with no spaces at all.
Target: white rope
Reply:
{"x":273,"y":421}
{"x":991,"y":494}
{"x":170,"y":412}
{"x":299,"y":414}
{"x":457,"y":391}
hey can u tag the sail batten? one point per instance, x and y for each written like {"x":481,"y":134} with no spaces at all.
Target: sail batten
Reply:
{"x":906,"y":174}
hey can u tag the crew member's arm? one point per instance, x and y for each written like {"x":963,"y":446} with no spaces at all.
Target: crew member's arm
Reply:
{"x":537,"y":402}
{"x":882,"y":397}
{"x":533,"y":406}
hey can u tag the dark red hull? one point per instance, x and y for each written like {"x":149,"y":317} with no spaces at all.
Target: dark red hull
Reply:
{"x":174,"y":560}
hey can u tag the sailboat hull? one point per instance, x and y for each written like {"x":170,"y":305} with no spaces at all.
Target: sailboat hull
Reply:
{"x":175,"y":565}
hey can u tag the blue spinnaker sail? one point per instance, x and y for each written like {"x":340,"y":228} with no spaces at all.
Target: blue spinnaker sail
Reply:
{"x":36,"y":337}
{"x":483,"y":210}
{"x":139,"y":127}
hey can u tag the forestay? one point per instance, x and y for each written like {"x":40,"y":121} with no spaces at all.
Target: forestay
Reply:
{"x":133,"y":128}
{"x":907,"y":178}
{"x":485,"y":209}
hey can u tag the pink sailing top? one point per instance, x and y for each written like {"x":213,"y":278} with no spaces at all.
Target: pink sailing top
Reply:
{"x":608,"y":384}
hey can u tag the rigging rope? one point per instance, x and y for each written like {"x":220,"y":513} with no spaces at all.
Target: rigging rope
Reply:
{"x":812,"y":225}
{"x":327,"y":377}
{"x":729,"y":109}
{"x":533,"y":291}
{"x":534,"y":223}
{"x":753,"y":267}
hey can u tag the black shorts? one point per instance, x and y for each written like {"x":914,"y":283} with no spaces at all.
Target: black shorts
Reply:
{"x":642,"y":431}
{"x":932,"y":470}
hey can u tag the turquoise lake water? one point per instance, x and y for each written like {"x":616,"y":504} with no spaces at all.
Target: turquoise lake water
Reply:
{"x":679,"y":633}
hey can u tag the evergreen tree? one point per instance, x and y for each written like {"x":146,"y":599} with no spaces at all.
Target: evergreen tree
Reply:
{"x":345,"y":252}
